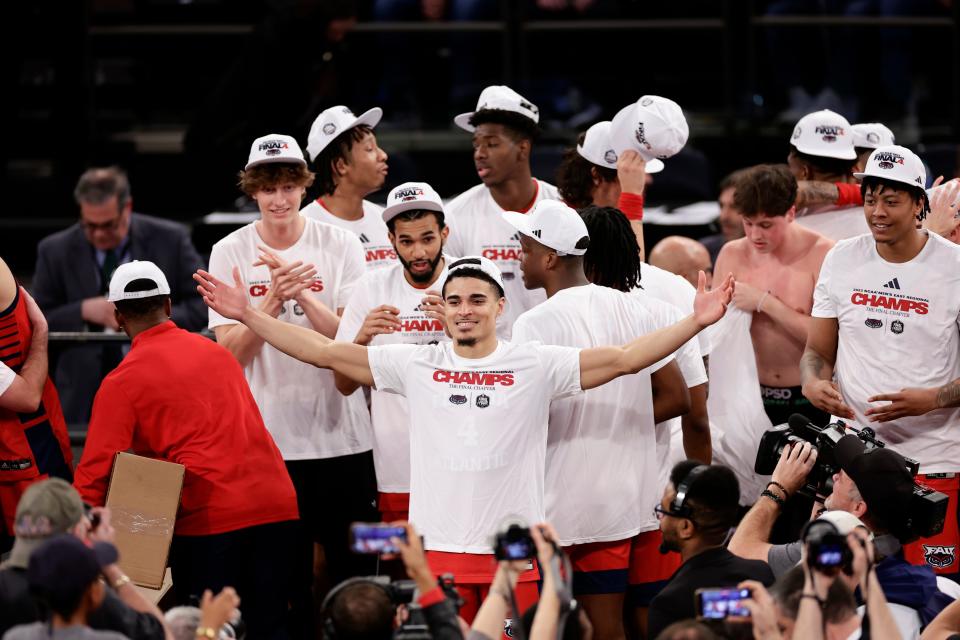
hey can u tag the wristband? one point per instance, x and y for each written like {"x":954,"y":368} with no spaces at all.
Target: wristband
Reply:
{"x":206,"y":632}
{"x":812,"y":596}
{"x":769,"y":494}
{"x":786,"y":494}
{"x":631,"y":205}
{"x":848,"y":195}
{"x":122,"y":580}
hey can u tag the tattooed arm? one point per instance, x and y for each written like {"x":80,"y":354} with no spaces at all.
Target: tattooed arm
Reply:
{"x":811,"y":193}
{"x":816,"y":368}
{"x":914,"y":402}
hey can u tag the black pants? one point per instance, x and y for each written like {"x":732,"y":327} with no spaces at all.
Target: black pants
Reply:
{"x":256,"y":561}
{"x":331,"y":493}
{"x":780,"y":403}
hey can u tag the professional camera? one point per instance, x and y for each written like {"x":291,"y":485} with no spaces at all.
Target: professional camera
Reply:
{"x":514,"y":543}
{"x":928,"y":508}
{"x":827,"y":549}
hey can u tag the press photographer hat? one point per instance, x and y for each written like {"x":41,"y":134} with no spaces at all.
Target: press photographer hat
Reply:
{"x":872,"y":135}
{"x":653,"y":126}
{"x":825,"y":134}
{"x":895,"y":164}
{"x":598,"y":149}
{"x":46,"y":508}
{"x":481,"y":264}
{"x":137,"y":270}
{"x":499,"y":98}
{"x":63,"y":566}
{"x":409,"y":196}
{"x":844,"y":521}
{"x":274,"y":147}
{"x":334,"y":121}
{"x":552,"y":224}
{"x":881,"y":477}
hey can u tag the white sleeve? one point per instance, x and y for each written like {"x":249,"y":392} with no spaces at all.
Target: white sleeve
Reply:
{"x":354,"y":268}
{"x":389,"y":365}
{"x":221,"y":267}
{"x":824,"y":305}
{"x":454,"y":245}
{"x":523,"y":331}
{"x":7,"y":376}
{"x":355,"y":312}
{"x":561,"y":369}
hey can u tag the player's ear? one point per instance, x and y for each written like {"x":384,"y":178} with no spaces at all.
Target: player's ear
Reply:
{"x":501,"y":303}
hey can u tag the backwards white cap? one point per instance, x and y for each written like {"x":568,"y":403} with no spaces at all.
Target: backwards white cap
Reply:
{"x":500,"y":98}
{"x":553,"y":224}
{"x":825,"y":134}
{"x":653,"y":126}
{"x":137,"y":270}
{"x":871,"y":135}
{"x":477,"y":262}
{"x":897,"y":164}
{"x":274,"y":147}
{"x":598,"y":148}
{"x":334,"y":121}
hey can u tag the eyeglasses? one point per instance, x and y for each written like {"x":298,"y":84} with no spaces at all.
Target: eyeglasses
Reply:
{"x":660,"y":513}
{"x":110,"y":225}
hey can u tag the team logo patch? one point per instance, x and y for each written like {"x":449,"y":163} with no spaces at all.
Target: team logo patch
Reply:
{"x":458,"y":399}
{"x":272,"y":147}
{"x":873,"y":323}
{"x":610,"y":156}
{"x":646,"y":102}
{"x":329,"y":128}
{"x":641,"y":136}
{"x":796,"y":133}
{"x":829,"y":134}
{"x":297,"y":309}
{"x":939,"y":556}
{"x":873,"y":138}
{"x":888,"y":159}
{"x":483,"y":401}
{"x":896,"y":326}
{"x":406,"y":195}
{"x":508,"y":627}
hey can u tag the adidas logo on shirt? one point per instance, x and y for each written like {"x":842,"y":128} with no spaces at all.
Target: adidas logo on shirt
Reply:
{"x":893,"y":284}
{"x":364,"y":239}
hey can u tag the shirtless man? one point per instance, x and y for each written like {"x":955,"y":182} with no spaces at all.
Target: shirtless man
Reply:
{"x":776,"y":265}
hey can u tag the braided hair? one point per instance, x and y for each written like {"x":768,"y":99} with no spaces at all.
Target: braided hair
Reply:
{"x":613,"y":258}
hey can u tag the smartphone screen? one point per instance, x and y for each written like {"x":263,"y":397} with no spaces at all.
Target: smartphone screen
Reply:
{"x":374,"y":537}
{"x":717,"y":604}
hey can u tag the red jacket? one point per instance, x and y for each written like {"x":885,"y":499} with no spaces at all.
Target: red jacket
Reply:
{"x":180,"y":397}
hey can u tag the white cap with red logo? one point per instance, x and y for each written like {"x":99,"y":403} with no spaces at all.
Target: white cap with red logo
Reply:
{"x":825,"y":134}
{"x":871,"y":135}
{"x":598,"y":148}
{"x":653,"y":126}
{"x":499,"y":98}
{"x":895,"y":164}
{"x":334,"y":121}
{"x":411,"y":195}
{"x":274,"y":147}
{"x":552,"y":224}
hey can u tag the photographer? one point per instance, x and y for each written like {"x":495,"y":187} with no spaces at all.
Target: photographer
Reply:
{"x":873,"y":485}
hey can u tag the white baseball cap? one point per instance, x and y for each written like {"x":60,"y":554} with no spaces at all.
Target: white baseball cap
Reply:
{"x":137,"y":270}
{"x":825,"y":134}
{"x":844,"y":521}
{"x":274,"y":147}
{"x":477,"y":262}
{"x":896,"y":164}
{"x":499,"y":98}
{"x":553,"y":224}
{"x":411,"y":195}
{"x":598,"y":149}
{"x":871,"y":135}
{"x":653,"y":126}
{"x":334,"y":121}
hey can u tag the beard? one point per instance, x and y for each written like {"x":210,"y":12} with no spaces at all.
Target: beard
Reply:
{"x":466,"y":342}
{"x":427,"y":276}
{"x":668,"y":545}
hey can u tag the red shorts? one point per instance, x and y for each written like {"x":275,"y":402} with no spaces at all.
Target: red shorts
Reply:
{"x":10,"y":493}
{"x":650,"y":570}
{"x":394,"y":506}
{"x":600,"y":567}
{"x":939,"y":552}
{"x":473,"y":573}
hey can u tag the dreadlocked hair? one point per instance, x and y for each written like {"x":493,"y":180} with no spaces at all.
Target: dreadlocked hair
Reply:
{"x":613,"y":257}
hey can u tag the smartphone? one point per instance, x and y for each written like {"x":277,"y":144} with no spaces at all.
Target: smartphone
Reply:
{"x":717,"y":604}
{"x":374,"y":537}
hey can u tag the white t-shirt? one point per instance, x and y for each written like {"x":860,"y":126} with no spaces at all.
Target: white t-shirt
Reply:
{"x":478,"y":229}
{"x":389,"y":412}
{"x":898,"y":328}
{"x":371,"y":229}
{"x":478,"y":433}
{"x":602,"y":468}
{"x":836,"y":224}
{"x":676,"y":290}
{"x":304,"y":412}
{"x":7,"y":376}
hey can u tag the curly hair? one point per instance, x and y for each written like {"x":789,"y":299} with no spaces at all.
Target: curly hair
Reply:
{"x":575,"y":177}
{"x":338,"y":149}
{"x":261,"y":176}
{"x":613,"y":257}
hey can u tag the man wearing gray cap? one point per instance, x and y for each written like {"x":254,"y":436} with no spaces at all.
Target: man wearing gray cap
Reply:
{"x":50,"y":508}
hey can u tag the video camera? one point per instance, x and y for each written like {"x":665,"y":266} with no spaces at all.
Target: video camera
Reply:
{"x":928,"y":508}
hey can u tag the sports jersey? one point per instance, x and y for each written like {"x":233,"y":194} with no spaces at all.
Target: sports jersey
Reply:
{"x":7,"y":376}
{"x":611,"y":424}
{"x":477,"y":228}
{"x":370,"y":229}
{"x":35,"y":443}
{"x":389,"y":413}
{"x":478,"y":433}
{"x":898,"y":328}
{"x":836,"y":224}
{"x":306,"y":415}
{"x":157,"y":403}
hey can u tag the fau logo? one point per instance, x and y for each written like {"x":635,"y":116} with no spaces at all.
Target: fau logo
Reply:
{"x":502,"y":254}
{"x":938,"y":556}
{"x":260,"y":290}
{"x":474,"y":377}
{"x":381,"y":254}
{"x":886,"y":302}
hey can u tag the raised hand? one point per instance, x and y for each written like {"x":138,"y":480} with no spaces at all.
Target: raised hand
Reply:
{"x":709,"y":306}
{"x":631,"y":172}
{"x":230,"y":302}
{"x":382,"y":319}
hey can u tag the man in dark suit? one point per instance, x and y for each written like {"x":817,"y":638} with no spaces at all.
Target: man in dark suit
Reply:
{"x":74,"y":268}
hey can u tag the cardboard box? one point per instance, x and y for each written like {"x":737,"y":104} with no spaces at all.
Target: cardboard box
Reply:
{"x":154,"y":596}
{"x":143,"y":498}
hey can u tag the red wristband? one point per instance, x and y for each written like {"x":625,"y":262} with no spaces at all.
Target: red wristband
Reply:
{"x":848,"y":195}
{"x":631,"y":204}
{"x":432,"y":597}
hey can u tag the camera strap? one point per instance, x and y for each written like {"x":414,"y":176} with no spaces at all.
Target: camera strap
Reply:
{"x":564,"y":581}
